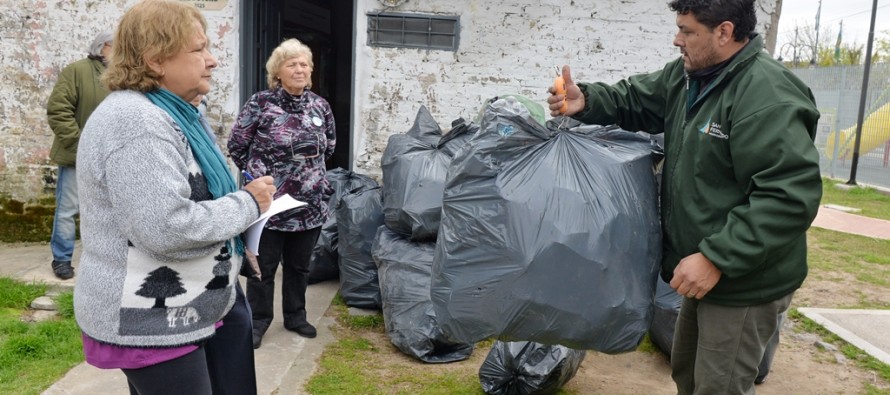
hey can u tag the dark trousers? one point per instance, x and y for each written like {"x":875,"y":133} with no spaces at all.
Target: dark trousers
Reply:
{"x":716,"y":349}
{"x":224,"y":364}
{"x":292,"y":250}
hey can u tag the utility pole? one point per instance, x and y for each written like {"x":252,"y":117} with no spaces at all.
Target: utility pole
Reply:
{"x":816,"y":43}
{"x":862,"y":97}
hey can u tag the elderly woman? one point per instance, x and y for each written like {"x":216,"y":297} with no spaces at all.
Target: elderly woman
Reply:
{"x":157,"y":295}
{"x":286,"y":132}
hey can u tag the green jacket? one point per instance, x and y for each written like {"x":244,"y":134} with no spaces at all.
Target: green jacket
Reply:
{"x":76,"y":94}
{"x":741,"y":181}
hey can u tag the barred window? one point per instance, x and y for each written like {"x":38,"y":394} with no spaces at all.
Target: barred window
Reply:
{"x":413,"y":31}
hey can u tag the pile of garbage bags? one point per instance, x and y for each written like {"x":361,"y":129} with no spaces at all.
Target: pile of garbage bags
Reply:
{"x":508,"y":228}
{"x":536,"y":224}
{"x":325,"y":261}
{"x":404,"y":269}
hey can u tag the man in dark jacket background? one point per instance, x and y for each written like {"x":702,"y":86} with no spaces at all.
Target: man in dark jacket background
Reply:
{"x":74,"y":97}
{"x":740,"y":187}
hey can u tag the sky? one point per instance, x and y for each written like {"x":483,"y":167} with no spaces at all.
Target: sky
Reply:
{"x":856,"y":15}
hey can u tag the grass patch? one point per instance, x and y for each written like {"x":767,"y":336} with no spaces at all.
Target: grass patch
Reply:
{"x":16,"y":295}
{"x":872,"y":203}
{"x":352,"y":365}
{"x":363,"y":361}
{"x":866,"y":259}
{"x":356,"y":322}
{"x":34,"y":355}
{"x":852,"y":353}
{"x":647,"y":346}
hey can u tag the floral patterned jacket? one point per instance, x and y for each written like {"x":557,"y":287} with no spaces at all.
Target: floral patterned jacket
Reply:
{"x":289,"y":138}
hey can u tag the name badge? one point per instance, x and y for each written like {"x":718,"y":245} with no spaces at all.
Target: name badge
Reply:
{"x":316,"y":121}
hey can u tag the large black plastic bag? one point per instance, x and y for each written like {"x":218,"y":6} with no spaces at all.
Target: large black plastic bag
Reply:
{"x":323,"y":265}
{"x":404,"y":269}
{"x":548,"y":235}
{"x":324,"y":262}
{"x":414,"y":165}
{"x":359,"y":214}
{"x":664,"y":319}
{"x":525,"y":368}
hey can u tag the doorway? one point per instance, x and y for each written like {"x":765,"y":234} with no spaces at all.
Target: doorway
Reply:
{"x":325,"y":26}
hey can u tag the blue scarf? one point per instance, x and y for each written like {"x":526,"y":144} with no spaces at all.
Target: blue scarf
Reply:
{"x":210,"y":159}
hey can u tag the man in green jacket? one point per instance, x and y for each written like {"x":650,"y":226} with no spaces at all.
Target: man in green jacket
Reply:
{"x":740,"y":187}
{"x":74,"y":97}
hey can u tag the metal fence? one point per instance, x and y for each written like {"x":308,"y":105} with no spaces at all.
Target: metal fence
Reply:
{"x":837,"y":91}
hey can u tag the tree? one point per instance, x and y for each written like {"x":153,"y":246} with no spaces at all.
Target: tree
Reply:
{"x":161,"y":283}
{"x":799,"y":46}
{"x":850,"y":54}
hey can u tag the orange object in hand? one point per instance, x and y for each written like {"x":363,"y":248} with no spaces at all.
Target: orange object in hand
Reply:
{"x":559,"y":85}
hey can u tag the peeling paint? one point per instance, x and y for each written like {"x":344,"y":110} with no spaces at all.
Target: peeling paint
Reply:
{"x":40,"y":37}
{"x":223,"y":29}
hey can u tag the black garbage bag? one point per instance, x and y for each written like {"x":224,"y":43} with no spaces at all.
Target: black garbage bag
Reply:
{"x":549,"y":235}
{"x":526,"y":368}
{"x":664,"y":317}
{"x":359,"y":214}
{"x":323,"y":264}
{"x":404,"y":269}
{"x":414,"y":165}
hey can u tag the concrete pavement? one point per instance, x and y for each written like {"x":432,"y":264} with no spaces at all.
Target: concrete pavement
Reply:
{"x":865,"y":329}
{"x":283,"y":364}
{"x":286,"y":361}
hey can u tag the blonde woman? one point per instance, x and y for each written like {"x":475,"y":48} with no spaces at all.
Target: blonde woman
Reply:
{"x":157,"y":295}
{"x":286,"y":132}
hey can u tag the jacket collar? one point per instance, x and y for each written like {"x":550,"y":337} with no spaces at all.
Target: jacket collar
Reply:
{"x":747,"y":53}
{"x":739,"y":61}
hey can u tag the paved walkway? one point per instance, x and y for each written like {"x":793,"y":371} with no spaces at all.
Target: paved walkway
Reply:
{"x":286,"y":361}
{"x":283,"y":364}
{"x":865,"y":329}
{"x":833,"y":219}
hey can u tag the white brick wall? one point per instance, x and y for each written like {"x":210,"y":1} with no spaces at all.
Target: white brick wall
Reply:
{"x":40,"y":37}
{"x":505,"y":47}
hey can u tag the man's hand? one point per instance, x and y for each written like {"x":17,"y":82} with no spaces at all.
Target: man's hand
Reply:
{"x":262,"y":190}
{"x":695,"y":276}
{"x":574,"y":100}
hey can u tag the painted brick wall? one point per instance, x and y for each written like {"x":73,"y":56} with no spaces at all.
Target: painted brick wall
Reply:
{"x":40,"y":37}
{"x":505,"y":47}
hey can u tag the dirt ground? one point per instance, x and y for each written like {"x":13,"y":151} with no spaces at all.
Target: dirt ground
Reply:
{"x":799,"y":367}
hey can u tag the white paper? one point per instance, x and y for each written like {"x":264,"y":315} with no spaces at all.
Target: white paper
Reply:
{"x":253,"y":233}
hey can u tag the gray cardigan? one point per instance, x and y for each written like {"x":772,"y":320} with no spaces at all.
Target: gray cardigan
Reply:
{"x":153,"y":271}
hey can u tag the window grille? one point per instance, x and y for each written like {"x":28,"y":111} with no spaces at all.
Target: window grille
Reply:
{"x":413,"y":31}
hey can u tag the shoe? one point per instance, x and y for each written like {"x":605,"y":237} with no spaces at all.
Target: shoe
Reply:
{"x":63,"y":269}
{"x":304,"y":329}
{"x":257,"y":338}
{"x":760,"y":379}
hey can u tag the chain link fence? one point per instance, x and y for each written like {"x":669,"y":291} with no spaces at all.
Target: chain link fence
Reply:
{"x":837,"y":91}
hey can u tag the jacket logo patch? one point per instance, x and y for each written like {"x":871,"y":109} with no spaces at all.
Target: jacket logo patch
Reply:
{"x":713,"y":129}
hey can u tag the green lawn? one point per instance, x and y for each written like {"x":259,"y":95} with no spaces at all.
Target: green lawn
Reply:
{"x":34,"y":355}
{"x":872,"y":203}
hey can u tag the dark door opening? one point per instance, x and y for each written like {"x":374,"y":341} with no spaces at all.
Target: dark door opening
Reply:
{"x":327,"y":27}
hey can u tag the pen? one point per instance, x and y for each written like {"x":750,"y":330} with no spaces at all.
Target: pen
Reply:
{"x":247,"y":175}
